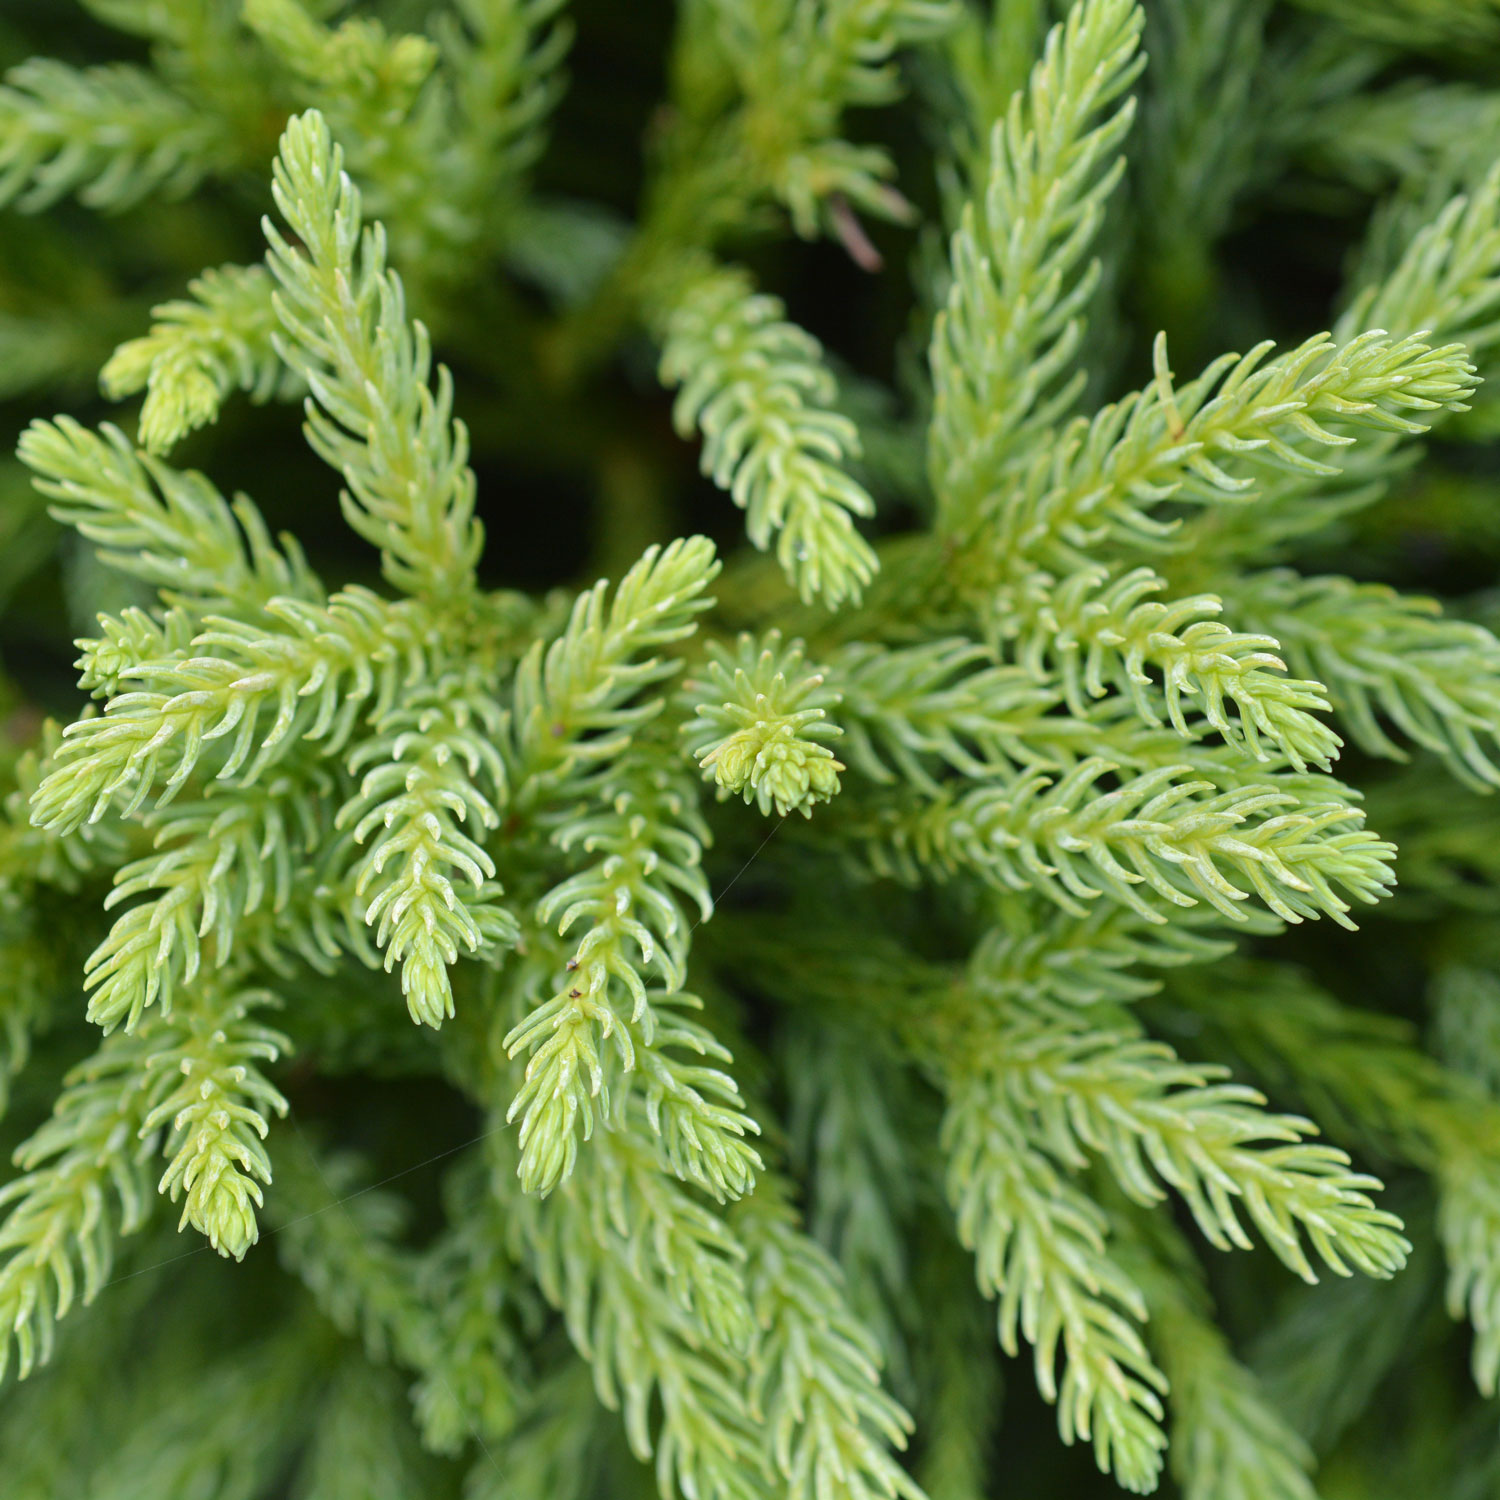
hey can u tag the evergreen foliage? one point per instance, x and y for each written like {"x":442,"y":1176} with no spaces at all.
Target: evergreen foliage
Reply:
{"x":637,"y":1014}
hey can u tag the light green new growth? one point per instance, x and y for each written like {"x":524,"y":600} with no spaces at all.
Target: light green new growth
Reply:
{"x":1004,"y":347}
{"x":636,"y":1270}
{"x":374,"y":414}
{"x":1039,"y":1247}
{"x":84,"y":1167}
{"x":759,"y":719}
{"x":430,"y":767}
{"x":757,"y":389}
{"x":1209,"y":442}
{"x":647,"y":848}
{"x":1144,"y":1114}
{"x":218,"y":863}
{"x":32,"y":857}
{"x":1061,"y":1095}
{"x":1444,"y":279}
{"x":170,"y":529}
{"x":317,"y":666}
{"x":1157,"y":842}
{"x":1096,"y":631}
{"x":1448,"y":276}
{"x":578,"y":699}
{"x":718,"y":1126}
{"x":190,"y":1087}
{"x":1387,"y":655}
{"x":1034,"y":532}
{"x":211,"y":1099}
{"x":589,"y":682}
{"x":909,"y":712}
{"x":200,"y":350}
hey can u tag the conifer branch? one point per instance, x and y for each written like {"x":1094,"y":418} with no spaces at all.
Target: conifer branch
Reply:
{"x":800,"y":66}
{"x":1361,"y":1072}
{"x":1228,"y":1441}
{"x":577,"y":704}
{"x":1103,"y":479}
{"x":1039,"y":1246}
{"x":439,"y":131}
{"x":909,"y":712}
{"x":640,"y":1271}
{"x":815,"y":1371}
{"x":128,"y":640}
{"x":845,"y":1128}
{"x":1437,"y":24}
{"x":1098,"y":630}
{"x":578,"y":698}
{"x":32,"y":856}
{"x":211,"y":1099}
{"x":363,"y":1447}
{"x":318,"y":671}
{"x":1468,"y":1224}
{"x":369,"y":76}
{"x":1039,"y":959}
{"x":84,"y":1182}
{"x":1445,"y":279}
{"x":1155,"y":843}
{"x":431,"y":766}
{"x":25,"y":1001}
{"x":1063,"y":716}
{"x":473,"y":1381}
{"x":915,"y":713}
{"x":110,"y":136}
{"x":505,"y":57}
{"x":1212,"y":440}
{"x":1371,"y":1080}
{"x":375,"y":414}
{"x":1003,"y":347}
{"x":166,"y":527}
{"x":221,"y":339}
{"x":1390,"y":656}
{"x":219,"y":862}
{"x":339,"y":1243}
{"x":757,"y":389}
{"x":1140,"y":1110}
{"x":632,"y":899}
{"x":758,"y":723}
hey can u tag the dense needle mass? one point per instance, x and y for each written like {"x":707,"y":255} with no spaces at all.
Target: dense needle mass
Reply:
{"x":674,"y":1032}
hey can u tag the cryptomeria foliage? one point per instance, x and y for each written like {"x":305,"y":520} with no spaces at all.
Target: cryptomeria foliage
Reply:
{"x":638,"y":1012}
